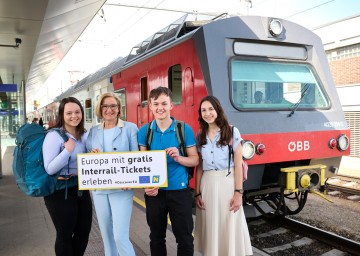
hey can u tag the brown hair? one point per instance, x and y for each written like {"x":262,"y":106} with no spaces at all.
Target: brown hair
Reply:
{"x":80,"y":129}
{"x":221,"y":121}
{"x":155,"y":93}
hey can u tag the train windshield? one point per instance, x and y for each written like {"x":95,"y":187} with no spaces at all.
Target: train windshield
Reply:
{"x":269,"y":85}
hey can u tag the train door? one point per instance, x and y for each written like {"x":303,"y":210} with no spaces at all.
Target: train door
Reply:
{"x":143,"y":106}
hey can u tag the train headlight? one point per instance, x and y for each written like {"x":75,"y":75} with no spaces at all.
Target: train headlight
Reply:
{"x":275,"y":27}
{"x":248,"y":149}
{"x":342,"y":142}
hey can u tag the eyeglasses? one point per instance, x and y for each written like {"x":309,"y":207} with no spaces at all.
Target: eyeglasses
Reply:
{"x":112,"y":107}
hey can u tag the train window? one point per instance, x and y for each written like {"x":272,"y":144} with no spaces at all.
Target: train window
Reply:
{"x":98,"y":119}
{"x":144,"y":91}
{"x":88,"y":110}
{"x":122,"y":96}
{"x":264,"y":85}
{"x":175,"y":83}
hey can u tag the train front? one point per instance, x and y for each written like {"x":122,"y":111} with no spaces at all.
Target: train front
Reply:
{"x":282,"y":98}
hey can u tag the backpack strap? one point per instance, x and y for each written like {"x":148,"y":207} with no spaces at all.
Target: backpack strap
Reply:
{"x":149,"y":135}
{"x":180,"y":134}
{"x":180,"y":131}
{"x":231,"y":149}
{"x":63,"y":135}
{"x":61,"y":132}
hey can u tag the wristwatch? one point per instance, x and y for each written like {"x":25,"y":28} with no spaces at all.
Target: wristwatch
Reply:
{"x":241,"y":191}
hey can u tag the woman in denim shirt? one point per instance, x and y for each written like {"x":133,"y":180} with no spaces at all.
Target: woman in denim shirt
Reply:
{"x":220,"y":227}
{"x":113,"y":207}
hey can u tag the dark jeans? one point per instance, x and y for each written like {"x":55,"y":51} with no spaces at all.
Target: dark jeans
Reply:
{"x":178,"y":204}
{"x":72,"y":219}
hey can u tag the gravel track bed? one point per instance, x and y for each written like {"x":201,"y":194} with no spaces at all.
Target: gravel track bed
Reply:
{"x":341,"y":217}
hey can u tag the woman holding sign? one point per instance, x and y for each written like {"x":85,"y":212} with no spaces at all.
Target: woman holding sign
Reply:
{"x":113,"y":207}
{"x":70,"y":209}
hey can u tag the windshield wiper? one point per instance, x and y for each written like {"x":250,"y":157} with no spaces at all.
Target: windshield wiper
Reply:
{"x":297,"y":104}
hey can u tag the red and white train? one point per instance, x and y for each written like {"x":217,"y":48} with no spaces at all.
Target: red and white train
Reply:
{"x":273,"y":80}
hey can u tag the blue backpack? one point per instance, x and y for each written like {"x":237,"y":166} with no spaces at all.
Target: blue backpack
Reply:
{"x":28,"y":164}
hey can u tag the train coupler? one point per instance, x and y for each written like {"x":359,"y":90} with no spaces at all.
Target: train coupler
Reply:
{"x":300,"y":178}
{"x":321,"y":195}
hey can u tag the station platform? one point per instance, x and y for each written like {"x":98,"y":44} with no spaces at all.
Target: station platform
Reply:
{"x":26,"y":228}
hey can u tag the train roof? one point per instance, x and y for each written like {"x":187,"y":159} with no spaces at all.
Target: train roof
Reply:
{"x":175,"y":30}
{"x":103,"y":73}
{"x":164,"y":36}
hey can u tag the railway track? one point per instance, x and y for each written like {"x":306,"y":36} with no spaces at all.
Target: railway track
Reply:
{"x":345,"y":184}
{"x":285,"y":236}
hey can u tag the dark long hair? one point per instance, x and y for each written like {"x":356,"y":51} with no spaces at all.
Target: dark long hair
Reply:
{"x":80,"y":129}
{"x":221,"y":121}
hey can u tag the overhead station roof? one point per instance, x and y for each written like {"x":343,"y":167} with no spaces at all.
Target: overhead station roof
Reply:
{"x":50,"y":31}
{"x":47,"y":30}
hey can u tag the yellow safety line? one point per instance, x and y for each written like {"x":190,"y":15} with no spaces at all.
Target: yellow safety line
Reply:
{"x":139,"y":202}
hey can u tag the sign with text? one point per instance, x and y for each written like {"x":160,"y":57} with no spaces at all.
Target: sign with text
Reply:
{"x":8,"y":88}
{"x":118,"y":170}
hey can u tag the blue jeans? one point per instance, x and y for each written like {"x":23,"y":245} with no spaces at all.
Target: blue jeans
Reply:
{"x":113,"y":212}
{"x":178,"y":204}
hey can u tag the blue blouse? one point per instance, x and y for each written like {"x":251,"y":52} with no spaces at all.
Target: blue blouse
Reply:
{"x":216,"y":157}
{"x":56,"y":156}
{"x":122,"y":138}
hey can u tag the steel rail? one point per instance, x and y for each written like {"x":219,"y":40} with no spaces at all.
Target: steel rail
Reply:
{"x":329,"y":238}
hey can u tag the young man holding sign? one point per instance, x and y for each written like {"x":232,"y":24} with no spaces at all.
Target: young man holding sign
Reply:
{"x":176,"y":199}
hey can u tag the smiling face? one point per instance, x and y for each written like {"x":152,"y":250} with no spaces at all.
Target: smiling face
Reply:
{"x":110,"y":109}
{"x":161,"y":107}
{"x":208,"y":112}
{"x":72,"y":115}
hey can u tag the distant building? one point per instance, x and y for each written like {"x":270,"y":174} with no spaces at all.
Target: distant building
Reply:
{"x":341,"y":40}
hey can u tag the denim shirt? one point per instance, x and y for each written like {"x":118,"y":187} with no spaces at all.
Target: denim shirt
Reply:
{"x":216,"y":157}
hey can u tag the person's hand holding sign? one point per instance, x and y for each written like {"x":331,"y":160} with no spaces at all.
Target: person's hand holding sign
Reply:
{"x":151,"y":191}
{"x":95,"y":150}
{"x":173,"y":152}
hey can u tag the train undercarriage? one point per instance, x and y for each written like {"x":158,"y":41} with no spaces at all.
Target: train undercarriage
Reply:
{"x":284,"y":189}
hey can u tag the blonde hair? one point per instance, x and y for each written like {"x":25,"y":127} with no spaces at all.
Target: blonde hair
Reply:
{"x":103,"y":96}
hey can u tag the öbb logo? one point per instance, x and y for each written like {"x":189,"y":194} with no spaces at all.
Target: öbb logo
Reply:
{"x":299,"y":146}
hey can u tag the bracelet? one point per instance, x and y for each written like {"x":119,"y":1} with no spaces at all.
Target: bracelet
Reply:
{"x":198,"y":195}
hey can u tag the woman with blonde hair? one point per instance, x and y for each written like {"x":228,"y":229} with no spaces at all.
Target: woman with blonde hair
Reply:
{"x":113,"y":207}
